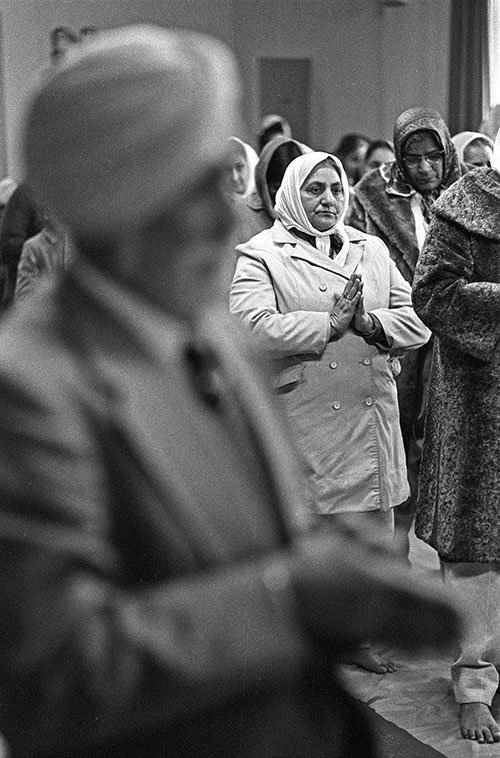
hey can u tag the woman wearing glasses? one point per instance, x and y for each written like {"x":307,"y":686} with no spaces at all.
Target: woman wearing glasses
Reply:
{"x":394,"y":202}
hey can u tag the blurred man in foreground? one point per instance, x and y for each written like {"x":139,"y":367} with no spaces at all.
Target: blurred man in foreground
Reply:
{"x":162,"y":591}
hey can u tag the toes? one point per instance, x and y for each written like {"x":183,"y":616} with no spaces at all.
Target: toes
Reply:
{"x":470,"y":734}
{"x":387,"y":667}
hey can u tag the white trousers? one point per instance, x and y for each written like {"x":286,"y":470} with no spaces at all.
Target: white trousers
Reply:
{"x":475,"y":672}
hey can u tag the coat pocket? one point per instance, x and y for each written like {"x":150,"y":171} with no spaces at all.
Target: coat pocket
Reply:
{"x":288,"y":375}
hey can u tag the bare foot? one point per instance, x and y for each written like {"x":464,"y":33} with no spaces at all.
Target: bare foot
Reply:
{"x":365,"y":658}
{"x":477,"y":723}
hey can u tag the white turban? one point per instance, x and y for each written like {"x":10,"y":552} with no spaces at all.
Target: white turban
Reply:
{"x":128,"y":123}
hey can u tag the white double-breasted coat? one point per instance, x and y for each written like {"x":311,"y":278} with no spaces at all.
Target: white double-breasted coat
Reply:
{"x":340,"y":395}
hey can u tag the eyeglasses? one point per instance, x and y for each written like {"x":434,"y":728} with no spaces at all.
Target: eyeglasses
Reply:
{"x":412,"y":161}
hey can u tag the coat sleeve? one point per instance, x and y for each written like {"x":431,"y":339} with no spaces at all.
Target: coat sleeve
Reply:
{"x":462,"y":312}
{"x":403,"y":329}
{"x":254,"y":299}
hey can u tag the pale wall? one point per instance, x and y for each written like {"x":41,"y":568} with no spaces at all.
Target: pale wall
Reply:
{"x":369,"y":62}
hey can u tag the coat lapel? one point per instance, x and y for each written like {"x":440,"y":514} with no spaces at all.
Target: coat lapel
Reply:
{"x":252,"y":389}
{"x":306,"y":252}
{"x":177,"y":447}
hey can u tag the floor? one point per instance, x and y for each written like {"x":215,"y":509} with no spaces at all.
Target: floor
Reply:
{"x":418,"y":696}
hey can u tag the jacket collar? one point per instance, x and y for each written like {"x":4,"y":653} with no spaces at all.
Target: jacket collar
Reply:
{"x":285,"y":236}
{"x":474,"y":203}
{"x":294,"y":247}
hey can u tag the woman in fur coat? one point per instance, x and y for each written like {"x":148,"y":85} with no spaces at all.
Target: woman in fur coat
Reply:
{"x":457,"y":294}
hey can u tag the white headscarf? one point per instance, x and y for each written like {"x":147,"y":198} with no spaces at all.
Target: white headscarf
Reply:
{"x":289,"y":208}
{"x":463,"y":139}
{"x":251,"y":158}
{"x":128,"y":122}
{"x":495,"y":158}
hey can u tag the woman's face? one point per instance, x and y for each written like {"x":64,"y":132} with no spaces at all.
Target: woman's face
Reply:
{"x":478,"y":155}
{"x":322,"y":197}
{"x":379,"y":156}
{"x":238,"y":175}
{"x":423,"y":158}
{"x":353,"y":163}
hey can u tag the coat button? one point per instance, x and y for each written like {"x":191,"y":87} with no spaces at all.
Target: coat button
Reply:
{"x":323,"y":287}
{"x":333,"y":364}
{"x":366,"y":361}
{"x":336,"y":405}
{"x":369,"y":401}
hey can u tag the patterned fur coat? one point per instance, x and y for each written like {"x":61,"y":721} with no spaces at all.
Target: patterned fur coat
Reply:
{"x":457,"y":294}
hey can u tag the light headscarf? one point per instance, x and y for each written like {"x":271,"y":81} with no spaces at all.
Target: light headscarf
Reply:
{"x":289,"y":209}
{"x":495,"y":159}
{"x":463,"y":139}
{"x":251,"y":158}
{"x":128,"y":122}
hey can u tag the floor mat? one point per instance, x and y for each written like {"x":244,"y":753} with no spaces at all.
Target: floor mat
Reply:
{"x":394,"y":742}
{"x":418,"y":697}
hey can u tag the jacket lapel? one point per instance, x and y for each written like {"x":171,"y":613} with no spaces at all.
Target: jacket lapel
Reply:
{"x":176,"y":448}
{"x":251,"y":386}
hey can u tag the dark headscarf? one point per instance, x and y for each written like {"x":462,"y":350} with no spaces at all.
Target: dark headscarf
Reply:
{"x":288,"y":149}
{"x":416,"y":120}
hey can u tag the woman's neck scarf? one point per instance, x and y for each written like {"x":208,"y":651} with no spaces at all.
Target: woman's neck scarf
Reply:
{"x":289,"y":209}
{"x":395,"y":173}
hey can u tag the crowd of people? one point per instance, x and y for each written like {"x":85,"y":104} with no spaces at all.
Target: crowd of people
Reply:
{"x":232,"y":379}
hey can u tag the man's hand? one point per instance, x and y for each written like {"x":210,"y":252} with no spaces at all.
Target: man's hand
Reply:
{"x":348,"y":592}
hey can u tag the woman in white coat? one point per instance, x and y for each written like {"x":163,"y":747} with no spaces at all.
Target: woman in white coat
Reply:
{"x":329,"y":306}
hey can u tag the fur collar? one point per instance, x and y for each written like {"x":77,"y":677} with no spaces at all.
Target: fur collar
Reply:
{"x":392,"y":214}
{"x":473,"y":203}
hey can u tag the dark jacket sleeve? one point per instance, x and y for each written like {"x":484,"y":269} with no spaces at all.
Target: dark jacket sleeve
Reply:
{"x":89,"y":654}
